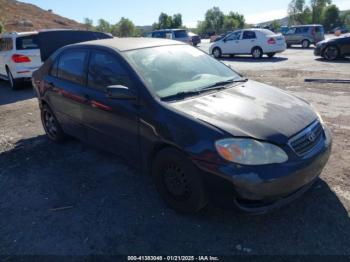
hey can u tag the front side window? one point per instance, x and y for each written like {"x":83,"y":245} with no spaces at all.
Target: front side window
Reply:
{"x":169,"y":70}
{"x":105,"y":70}
{"x":71,"y":66}
{"x":249,"y":35}
{"x":27,"y":42}
{"x":234,"y":36}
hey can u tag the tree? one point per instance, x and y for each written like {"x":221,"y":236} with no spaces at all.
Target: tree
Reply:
{"x":214,"y":19}
{"x":88,"y":24}
{"x":2,"y":28}
{"x":165,"y":21}
{"x":103,"y":26}
{"x":345,"y":19}
{"x":317,"y":8}
{"x":331,"y":17}
{"x":177,"y":21}
{"x":240,"y":20}
{"x":276,"y":26}
{"x":125,"y":28}
{"x":299,"y":13}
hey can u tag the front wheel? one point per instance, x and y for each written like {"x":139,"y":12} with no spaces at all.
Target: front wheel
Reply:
{"x":217,"y":52}
{"x":51,"y":125}
{"x":257,"y":52}
{"x":331,"y":53}
{"x":178,"y":181}
{"x":305,"y":43}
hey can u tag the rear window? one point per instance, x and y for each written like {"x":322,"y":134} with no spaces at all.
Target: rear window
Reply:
{"x":27,"y":42}
{"x":267,"y":32}
{"x":249,"y":35}
{"x":180,"y":34}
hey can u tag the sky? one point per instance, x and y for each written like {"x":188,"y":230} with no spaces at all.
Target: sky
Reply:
{"x":147,"y":12}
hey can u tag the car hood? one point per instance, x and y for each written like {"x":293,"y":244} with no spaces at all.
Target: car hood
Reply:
{"x":334,"y":39}
{"x":251,"y":110}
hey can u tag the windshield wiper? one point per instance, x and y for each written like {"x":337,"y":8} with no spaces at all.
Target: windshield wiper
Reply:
{"x":180,"y":95}
{"x":223,"y":84}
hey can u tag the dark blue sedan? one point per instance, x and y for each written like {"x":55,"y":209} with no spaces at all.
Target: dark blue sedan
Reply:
{"x":202,"y":130}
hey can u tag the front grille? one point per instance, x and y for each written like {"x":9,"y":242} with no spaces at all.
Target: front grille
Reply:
{"x":308,"y":139}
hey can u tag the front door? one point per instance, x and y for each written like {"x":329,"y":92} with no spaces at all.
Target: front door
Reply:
{"x":231,"y":44}
{"x":111,"y":123}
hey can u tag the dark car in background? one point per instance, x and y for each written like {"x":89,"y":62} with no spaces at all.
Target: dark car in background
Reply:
{"x":175,"y":34}
{"x":194,"y":38}
{"x":304,"y":35}
{"x":202,"y":130}
{"x":334,"y":48}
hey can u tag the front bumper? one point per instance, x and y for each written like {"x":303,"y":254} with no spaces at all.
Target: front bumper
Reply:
{"x":259,"y":189}
{"x":318,"y":50}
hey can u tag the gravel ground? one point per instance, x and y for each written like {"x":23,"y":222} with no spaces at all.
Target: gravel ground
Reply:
{"x":108,"y":208}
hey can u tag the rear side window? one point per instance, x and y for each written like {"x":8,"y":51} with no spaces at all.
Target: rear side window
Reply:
{"x":106,"y":70}
{"x":160,"y":34}
{"x":249,"y":35}
{"x":6,"y":44}
{"x":302,"y":30}
{"x":71,"y":66}
{"x":27,"y":42}
{"x":180,"y":33}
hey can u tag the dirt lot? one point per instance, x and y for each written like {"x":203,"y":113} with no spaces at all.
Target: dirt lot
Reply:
{"x":111,"y":209}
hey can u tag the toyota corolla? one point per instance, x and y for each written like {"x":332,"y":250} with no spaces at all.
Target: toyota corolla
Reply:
{"x":201,"y":129}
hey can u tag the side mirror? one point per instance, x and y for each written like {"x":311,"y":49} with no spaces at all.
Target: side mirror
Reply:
{"x":120,"y":92}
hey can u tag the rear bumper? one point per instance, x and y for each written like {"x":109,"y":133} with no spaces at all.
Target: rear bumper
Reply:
{"x":260,"y":189}
{"x":23,"y":72}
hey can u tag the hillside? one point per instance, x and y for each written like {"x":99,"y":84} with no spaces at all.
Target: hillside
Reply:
{"x":18,"y":16}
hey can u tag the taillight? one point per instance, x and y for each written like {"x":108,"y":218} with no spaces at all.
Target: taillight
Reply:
{"x":271,"y":41}
{"x":20,"y":58}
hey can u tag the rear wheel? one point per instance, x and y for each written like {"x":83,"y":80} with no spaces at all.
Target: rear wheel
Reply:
{"x":257,"y":52}
{"x":51,"y":125}
{"x":270,"y":55}
{"x":305,"y":43}
{"x":331,"y":53}
{"x":289,"y":45}
{"x":217,"y":52}
{"x":178,"y":181}
{"x":13,"y":82}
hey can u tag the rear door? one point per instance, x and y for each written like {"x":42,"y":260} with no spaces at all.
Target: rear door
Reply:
{"x":66,"y":89}
{"x":111,"y":124}
{"x":249,"y":40}
{"x":28,"y":46}
{"x":6,"y":47}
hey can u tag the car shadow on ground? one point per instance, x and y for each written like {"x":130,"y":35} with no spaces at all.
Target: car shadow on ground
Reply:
{"x":344,"y":60}
{"x":71,"y":199}
{"x":9,"y":96}
{"x":252,"y":60}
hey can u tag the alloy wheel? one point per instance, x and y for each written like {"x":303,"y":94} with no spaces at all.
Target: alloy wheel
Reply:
{"x":331,"y":53}
{"x":176,"y":182}
{"x":50,"y":124}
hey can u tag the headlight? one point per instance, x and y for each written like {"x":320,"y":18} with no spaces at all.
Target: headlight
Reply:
{"x":250,"y":152}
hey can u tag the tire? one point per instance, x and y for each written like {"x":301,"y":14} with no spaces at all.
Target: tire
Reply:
{"x":232,"y":55}
{"x":217,"y":52}
{"x":257,"y":53}
{"x":14,"y":84}
{"x":270,"y":55}
{"x":331,"y":53}
{"x":305,"y":43}
{"x":289,"y":45}
{"x":179,"y":182}
{"x":51,"y":125}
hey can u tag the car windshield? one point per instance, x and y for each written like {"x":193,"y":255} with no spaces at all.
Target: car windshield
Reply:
{"x":169,"y":70}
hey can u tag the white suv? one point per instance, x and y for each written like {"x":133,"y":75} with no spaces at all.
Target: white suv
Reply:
{"x":256,"y":42}
{"x":19,"y":56}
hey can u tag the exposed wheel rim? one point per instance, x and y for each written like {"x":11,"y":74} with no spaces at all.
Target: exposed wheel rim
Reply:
{"x":50,"y":124}
{"x":217,"y":53}
{"x":305,"y":44}
{"x":176,"y":182}
{"x":331,"y":53}
{"x":256,"y":53}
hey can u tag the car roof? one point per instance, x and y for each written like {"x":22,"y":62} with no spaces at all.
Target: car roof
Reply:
{"x":169,"y":30}
{"x":130,"y":43}
{"x":306,"y":25}
{"x":17,"y":34}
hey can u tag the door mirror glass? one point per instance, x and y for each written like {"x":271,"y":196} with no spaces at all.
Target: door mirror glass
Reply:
{"x":120,"y":92}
